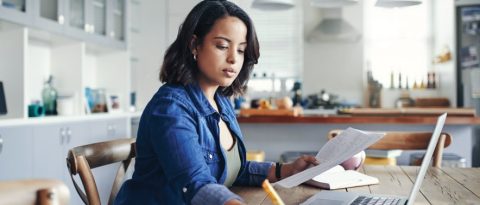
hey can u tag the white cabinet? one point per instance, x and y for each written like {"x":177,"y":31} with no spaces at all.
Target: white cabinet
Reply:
{"x":49,"y":15}
{"x":30,"y":57}
{"x":103,"y":131}
{"x":108,"y":129}
{"x":17,"y":11}
{"x":15,"y":153}
{"x":51,"y":145}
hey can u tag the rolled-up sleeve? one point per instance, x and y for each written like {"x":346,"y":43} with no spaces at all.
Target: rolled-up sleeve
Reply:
{"x":253,"y":173}
{"x":214,"y":194}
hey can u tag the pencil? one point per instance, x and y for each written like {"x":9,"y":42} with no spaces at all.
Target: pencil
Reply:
{"x":271,"y":193}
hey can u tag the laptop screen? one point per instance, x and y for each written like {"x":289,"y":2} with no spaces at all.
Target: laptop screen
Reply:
{"x":427,"y":158}
{"x":3,"y":104}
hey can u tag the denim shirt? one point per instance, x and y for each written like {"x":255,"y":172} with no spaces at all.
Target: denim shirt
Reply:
{"x":179,"y":157}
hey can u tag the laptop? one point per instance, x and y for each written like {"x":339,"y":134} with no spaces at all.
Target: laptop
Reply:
{"x":351,"y":198}
{"x":3,"y":104}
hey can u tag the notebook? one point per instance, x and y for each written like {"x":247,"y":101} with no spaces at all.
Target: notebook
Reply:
{"x":339,"y":178}
{"x":350,"y":198}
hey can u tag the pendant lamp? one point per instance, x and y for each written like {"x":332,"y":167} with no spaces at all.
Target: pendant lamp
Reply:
{"x":396,"y":3}
{"x":273,"y":4}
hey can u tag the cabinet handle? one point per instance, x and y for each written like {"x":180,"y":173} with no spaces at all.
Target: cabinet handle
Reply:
{"x":61,"y":19}
{"x":69,"y":135}
{"x":1,"y":144}
{"x":63,"y":133}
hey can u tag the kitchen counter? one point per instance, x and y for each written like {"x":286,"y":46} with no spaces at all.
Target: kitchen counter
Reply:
{"x":348,"y":119}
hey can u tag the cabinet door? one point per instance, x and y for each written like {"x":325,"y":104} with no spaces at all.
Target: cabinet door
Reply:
{"x":103,"y":131}
{"x":117,"y":20}
{"x":77,"y":134}
{"x":52,"y":143}
{"x":108,"y":129}
{"x":17,"y":11}
{"x":77,"y":23}
{"x":49,"y":158}
{"x":16,"y":153}
{"x":50,"y":15}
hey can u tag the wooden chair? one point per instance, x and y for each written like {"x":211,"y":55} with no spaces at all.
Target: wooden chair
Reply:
{"x":34,"y":191}
{"x":82,"y":159}
{"x":409,"y":141}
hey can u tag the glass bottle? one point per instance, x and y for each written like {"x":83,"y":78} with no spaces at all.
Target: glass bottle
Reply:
{"x":49,"y":97}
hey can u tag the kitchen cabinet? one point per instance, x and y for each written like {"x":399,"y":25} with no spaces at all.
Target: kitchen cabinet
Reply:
{"x":52,"y":142}
{"x":17,"y":11}
{"x":98,"y":21}
{"x":51,"y":145}
{"x":30,"y":57}
{"x":49,"y":15}
{"x":103,"y":131}
{"x":16,"y":155}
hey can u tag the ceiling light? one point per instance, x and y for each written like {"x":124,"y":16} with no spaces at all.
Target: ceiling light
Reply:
{"x":273,"y":4}
{"x":396,"y":3}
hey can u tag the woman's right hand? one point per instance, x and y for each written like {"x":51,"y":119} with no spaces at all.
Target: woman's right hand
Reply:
{"x":234,"y":202}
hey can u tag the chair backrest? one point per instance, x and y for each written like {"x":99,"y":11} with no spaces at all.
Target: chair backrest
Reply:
{"x":82,"y":159}
{"x":34,"y":192}
{"x":409,"y":141}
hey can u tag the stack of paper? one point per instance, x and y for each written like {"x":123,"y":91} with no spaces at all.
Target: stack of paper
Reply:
{"x":335,"y":151}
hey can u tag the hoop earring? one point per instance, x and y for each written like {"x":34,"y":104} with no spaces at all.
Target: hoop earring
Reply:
{"x":195,"y":57}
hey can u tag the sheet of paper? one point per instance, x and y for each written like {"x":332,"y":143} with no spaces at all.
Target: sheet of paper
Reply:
{"x":348,"y":143}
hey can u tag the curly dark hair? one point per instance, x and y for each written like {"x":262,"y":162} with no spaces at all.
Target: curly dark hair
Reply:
{"x":179,"y":67}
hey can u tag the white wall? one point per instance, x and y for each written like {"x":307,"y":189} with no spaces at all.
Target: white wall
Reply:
{"x":336,"y":67}
{"x":444,"y":35}
{"x":147,"y":47}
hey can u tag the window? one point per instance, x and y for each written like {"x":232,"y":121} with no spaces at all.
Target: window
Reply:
{"x":280,"y":35}
{"x":400,"y":41}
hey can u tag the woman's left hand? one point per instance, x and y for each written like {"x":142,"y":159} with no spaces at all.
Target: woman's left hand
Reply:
{"x":300,"y":164}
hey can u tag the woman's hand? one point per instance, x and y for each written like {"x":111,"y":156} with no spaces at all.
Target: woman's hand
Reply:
{"x":294,"y":167}
{"x":300,"y":164}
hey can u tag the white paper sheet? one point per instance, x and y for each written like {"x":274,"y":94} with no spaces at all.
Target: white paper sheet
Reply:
{"x":348,"y":143}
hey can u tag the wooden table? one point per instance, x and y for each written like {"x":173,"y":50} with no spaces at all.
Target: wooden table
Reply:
{"x":441,"y":186}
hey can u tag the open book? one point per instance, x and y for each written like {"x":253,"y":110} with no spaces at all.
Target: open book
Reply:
{"x":339,"y":178}
{"x":335,"y":151}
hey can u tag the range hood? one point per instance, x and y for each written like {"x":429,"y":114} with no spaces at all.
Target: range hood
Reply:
{"x":333,"y":28}
{"x":273,"y":5}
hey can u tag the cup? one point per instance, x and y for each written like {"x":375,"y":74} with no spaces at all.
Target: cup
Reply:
{"x":35,"y":110}
{"x":65,"y":105}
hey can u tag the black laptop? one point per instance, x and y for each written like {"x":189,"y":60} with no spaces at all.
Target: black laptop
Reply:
{"x":3,"y":104}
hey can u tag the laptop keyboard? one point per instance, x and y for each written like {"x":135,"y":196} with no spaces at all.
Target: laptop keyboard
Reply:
{"x":366,"y":200}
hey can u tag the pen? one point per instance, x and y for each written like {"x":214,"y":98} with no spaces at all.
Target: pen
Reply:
{"x":271,"y":193}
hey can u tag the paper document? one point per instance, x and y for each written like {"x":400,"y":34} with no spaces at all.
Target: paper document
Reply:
{"x":348,"y":143}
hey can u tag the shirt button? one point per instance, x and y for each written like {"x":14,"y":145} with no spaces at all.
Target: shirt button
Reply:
{"x":210,"y":156}
{"x":184,"y":189}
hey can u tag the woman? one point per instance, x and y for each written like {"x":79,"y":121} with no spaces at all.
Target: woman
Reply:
{"x":189,"y":145}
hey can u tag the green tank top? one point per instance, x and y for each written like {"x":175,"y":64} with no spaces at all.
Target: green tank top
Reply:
{"x":233,"y":164}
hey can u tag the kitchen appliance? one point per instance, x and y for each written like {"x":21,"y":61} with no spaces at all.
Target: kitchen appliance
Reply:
{"x":467,"y":27}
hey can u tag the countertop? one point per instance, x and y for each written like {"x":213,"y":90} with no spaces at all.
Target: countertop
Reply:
{"x":349,"y":119}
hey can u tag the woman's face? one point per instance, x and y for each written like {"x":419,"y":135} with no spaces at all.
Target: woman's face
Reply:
{"x":220,"y":57}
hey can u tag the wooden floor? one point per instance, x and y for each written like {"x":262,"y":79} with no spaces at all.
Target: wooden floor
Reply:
{"x":441,"y":186}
